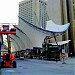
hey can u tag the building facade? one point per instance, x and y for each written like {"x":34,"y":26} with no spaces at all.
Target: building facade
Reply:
{"x":71,"y":8}
{"x":74,"y":25}
{"x":57,"y":12}
{"x":54,"y":10}
{"x":37,"y":12}
{"x":62,"y":12}
{"x":33,"y":11}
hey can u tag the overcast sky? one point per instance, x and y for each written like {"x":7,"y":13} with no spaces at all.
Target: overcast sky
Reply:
{"x":9,"y":11}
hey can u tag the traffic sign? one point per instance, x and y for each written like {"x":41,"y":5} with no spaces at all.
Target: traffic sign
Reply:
{"x":63,"y":50}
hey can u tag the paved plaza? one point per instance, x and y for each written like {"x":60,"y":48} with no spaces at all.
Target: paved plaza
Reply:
{"x":41,"y":67}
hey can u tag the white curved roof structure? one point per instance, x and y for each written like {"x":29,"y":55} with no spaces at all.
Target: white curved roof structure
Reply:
{"x":51,"y":26}
{"x":33,"y":36}
{"x":61,"y":42}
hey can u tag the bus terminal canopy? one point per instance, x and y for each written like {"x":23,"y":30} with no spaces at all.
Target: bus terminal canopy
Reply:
{"x":30,"y":35}
{"x":61,"y":43}
{"x":51,"y":26}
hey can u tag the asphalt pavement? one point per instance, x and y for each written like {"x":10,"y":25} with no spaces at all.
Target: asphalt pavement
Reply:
{"x":41,"y":67}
